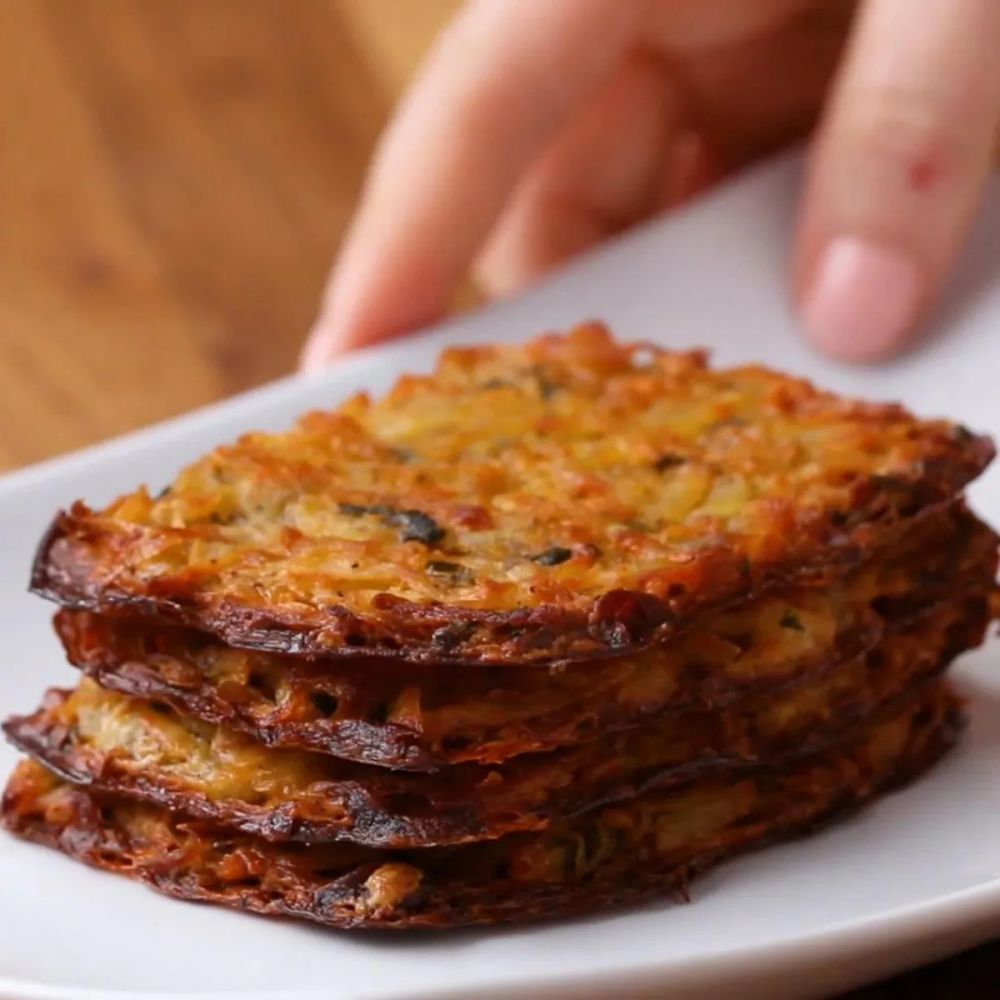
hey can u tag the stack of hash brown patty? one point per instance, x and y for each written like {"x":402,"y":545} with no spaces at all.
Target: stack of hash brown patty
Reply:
{"x":553,"y":628}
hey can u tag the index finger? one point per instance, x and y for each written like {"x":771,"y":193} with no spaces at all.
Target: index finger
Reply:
{"x":500,"y":80}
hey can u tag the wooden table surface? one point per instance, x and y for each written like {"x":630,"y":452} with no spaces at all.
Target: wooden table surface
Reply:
{"x":174,"y":180}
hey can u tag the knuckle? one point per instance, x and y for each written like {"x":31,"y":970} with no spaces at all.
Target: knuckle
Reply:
{"x":906,"y":129}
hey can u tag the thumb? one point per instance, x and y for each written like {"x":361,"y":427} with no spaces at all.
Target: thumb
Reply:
{"x":898,"y":166}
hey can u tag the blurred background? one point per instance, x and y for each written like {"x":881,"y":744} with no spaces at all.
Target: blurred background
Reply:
{"x":174,"y":180}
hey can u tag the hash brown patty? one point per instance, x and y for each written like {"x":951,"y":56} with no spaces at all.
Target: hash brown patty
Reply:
{"x":415,"y":717}
{"x":114,"y":744}
{"x":571,"y":498}
{"x":648,"y":846}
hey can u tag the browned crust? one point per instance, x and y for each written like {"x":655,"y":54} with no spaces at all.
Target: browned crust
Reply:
{"x":620,"y":621}
{"x":468,"y":802}
{"x":953,"y":553}
{"x":88,"y":559}
{"x":464,"y":886}
{"x":358,"y":804}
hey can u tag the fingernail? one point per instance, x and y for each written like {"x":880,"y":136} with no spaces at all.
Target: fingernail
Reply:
{"x":863,"y":299}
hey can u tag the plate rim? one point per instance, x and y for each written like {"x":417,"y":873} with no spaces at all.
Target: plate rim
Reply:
{"x":969,"y":908}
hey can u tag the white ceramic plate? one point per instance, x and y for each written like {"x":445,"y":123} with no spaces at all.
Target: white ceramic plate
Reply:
{"x":915,"y":877}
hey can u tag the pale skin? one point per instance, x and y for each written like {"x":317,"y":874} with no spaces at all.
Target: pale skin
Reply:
{"x":537,"y":128}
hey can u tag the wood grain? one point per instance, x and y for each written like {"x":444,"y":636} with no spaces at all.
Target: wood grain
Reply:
{"x":173,"y":185}
{"x":174,"y":179}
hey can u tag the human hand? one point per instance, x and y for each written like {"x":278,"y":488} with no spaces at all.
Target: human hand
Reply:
{"x":537,"y":129}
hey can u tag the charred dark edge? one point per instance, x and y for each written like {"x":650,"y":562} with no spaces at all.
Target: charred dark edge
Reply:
{"x":369,"y":824}
{"x":335,"y":904}
{"x":820,"y":740}
{"x":400,"y":749}
{"x":548,"y":903}
{"x":846,"y":648}
{"x":629,"y":621}
{"x":373,"y":827}
{"x":357,"y":740}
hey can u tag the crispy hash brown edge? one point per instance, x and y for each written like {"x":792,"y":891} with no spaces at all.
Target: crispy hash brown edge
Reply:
{"x":940,"y":460}
{"x":394,"y":892}
{"x":963,"y":559}
{"x":377,"y":808}
{"x":619,"y":622}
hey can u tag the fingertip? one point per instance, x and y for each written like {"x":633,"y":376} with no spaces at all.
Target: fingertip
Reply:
{"x":321,"y":347}
{"x":862,"y":301}
{"x":899,"y":164}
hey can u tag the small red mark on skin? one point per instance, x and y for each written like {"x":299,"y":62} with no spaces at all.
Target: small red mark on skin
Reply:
{"x":924,"y":174}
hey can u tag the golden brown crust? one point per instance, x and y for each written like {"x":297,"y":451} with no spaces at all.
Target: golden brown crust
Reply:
{"x":485,"y":513}
{"x":646,"y":847}
{"x":416,"y":718}
{"x":120,"y":745}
